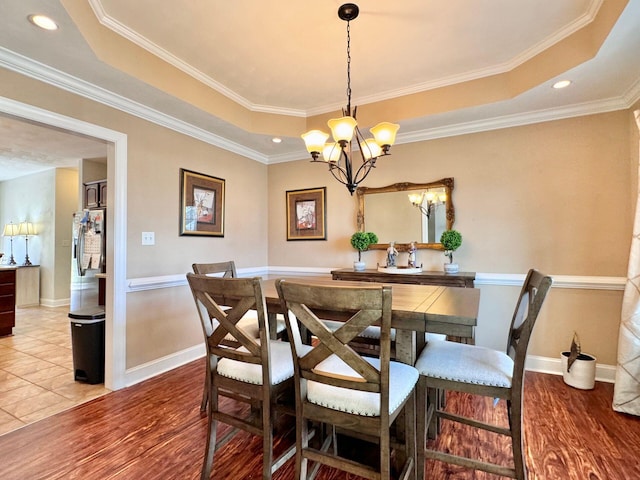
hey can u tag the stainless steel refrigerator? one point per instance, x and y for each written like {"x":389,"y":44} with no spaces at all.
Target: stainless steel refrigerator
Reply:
{"x":89,"y":256}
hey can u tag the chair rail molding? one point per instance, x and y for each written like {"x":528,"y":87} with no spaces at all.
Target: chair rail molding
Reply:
{"x":500,"y":279}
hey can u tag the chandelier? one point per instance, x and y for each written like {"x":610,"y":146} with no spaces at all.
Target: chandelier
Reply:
{"x":431,"y":199}
{"x":349,"y":165}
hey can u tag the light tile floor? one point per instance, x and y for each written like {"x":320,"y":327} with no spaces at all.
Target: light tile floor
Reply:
{"x":36,"y":369}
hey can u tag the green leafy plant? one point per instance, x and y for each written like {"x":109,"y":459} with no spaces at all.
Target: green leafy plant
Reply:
{"x":450,"y":240}
{"x":361,"y":241}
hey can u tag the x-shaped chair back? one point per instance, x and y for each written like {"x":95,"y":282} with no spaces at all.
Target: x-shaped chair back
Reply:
{"x":222,"y":302}
{"x":359,"y":308}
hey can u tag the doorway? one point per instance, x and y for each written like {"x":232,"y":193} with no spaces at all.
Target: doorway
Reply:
{"x":115,"y":334}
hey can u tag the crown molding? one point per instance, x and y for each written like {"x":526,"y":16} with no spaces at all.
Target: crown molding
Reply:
{"x":515,"y":120}
{"x":632,"y":95}
{"x":143,"y":42}
{"x":146,"y":44}
{"x":31,"y":68}
{"x":39,"y":71}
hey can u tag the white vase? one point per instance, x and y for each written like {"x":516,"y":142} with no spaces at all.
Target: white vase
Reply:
{"x":359,"y":266}
{"x":451,"y":268}
{"x":582,"y":374}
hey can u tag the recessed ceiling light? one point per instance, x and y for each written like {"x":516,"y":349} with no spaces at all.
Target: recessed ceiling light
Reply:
{"x":43,"y":21}
{"x":276,"y":140}
{"x":562,"y":84}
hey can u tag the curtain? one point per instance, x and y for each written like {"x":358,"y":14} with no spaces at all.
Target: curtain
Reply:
{"x":626,"y":394}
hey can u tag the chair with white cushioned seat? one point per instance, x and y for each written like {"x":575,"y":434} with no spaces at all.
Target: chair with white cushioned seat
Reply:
{"x":258,"y":373}
{"x":336,"y":386}
{"x":249,"y":321}
{"x":481,"y":371}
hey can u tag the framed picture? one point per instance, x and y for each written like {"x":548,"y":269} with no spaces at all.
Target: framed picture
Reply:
{"x":201,"y":204}
{"x":306,"y":214}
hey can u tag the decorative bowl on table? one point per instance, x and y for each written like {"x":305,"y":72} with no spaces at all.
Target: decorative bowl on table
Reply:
{"x":398,"y":270}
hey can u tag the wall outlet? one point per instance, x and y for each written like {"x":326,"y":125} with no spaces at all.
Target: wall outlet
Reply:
{"x":148,"y":238}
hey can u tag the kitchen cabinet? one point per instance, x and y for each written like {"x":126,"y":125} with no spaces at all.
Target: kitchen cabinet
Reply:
{"x":7,"y":300}
{"x":95,"y":194}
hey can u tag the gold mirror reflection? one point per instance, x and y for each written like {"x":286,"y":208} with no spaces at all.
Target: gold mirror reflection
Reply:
{"x":407,"y":212}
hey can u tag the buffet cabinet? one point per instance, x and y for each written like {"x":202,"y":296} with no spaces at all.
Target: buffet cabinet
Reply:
{"x":460,"y":279}
{"x":7,"y":300}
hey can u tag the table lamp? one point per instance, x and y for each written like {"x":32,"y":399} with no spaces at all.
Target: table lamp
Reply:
{"x":10,"y":230}
{"x":26,"y":229}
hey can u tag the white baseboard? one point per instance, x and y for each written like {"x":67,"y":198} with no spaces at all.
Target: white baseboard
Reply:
{"x":164,"y":364}
{"x":50,"y":302}
{"x":604,"y":373}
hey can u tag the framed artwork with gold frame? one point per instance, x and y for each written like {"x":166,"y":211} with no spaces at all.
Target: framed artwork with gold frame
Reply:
{"x":201,"y":204}
{"x":306,"y":214}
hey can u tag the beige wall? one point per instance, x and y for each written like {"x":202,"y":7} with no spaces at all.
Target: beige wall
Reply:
{"x":93,"y":170}
{"x":67,"y":198}
{"x":32,"y":198}
{"x":557,"y":196}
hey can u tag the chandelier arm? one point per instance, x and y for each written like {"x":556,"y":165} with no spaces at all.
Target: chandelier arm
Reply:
{"x":341,"y":176}
{"x":348,"y":167}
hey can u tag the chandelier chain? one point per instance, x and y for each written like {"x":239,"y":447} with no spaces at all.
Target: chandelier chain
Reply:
{"x":348,"y":68}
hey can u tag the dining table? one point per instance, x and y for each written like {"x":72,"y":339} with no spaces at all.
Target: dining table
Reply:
{"x":452,"y":311}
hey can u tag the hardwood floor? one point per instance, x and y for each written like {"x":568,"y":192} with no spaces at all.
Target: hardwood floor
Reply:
{"x":154,"y":430}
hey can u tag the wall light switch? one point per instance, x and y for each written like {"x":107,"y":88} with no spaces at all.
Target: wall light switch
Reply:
{"x":148,"y":238}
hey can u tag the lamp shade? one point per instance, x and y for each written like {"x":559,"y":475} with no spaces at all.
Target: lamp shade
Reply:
{"x":371,"y":149}
{"x":331,"y":152}
{"x":342,"y":128}
{"x":385,"y":133}
{"x":26,"y":228}
{"x":314,"y":140}
{"x":10,"y":230}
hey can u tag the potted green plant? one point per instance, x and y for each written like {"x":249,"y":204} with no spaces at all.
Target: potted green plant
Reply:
{"x":361,"y":241}
{"x":450,"y":240}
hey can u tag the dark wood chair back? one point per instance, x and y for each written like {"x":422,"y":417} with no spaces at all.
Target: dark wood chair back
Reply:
{"x":225,"y":269}
{"x":222,"y":302}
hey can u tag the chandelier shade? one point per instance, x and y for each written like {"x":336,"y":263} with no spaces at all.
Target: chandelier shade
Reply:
{"x":350,"y":156}
{"x":427,"y":201}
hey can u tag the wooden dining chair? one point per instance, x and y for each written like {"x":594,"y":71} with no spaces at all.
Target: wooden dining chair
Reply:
{"x":249,"y":321}
{"x":259,"y":372}
{"x":481,"y":371}
{"x":359,"y":396}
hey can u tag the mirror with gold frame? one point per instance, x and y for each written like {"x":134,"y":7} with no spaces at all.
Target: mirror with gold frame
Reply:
{"x":395,"y":216}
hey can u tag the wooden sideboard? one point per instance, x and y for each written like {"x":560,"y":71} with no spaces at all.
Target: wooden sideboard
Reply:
{"x":460,"y":279}
{"x":7,"y":300}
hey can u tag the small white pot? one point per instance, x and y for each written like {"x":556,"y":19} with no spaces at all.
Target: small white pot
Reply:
{"x":451,"y":268}
{"x":583,"y":371}
{"x":359,"y":266}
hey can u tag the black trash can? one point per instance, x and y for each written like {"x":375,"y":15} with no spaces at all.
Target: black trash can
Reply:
{"x":87,"y":344}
